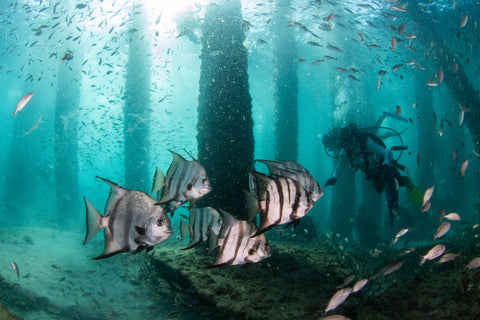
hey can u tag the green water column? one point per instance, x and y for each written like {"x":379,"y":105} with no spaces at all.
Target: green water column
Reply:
{"x":343,"y":201}
{"x":427,"y":136}
{"x":66,"y":136}
{"x":135,"y":110}
{"x":285,"y":84}
{"x":225,"y":125}
{"x":24,"y":167}
{"x":460,"y":86}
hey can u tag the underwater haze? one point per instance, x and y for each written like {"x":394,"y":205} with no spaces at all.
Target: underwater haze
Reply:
{"x":317,"y":158}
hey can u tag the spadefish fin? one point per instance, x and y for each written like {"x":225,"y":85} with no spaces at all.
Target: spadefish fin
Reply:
{"x":111,"y":247}
{"x":116,"y":193}
{"x":262,"y":181}
{"x":184,"y":229}
{"x":212,"y":240}
{"x":95,"y":221}
{"x":228,"y":222}
{"x":193,"y":158}
{"x":272,"y":165}
{"x":252,"y":205}
{"x":158,"y":180}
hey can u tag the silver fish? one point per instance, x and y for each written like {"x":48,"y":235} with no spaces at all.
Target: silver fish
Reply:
{"x":463,"y":20}
{"x":236,"y":245}
{"x":434,"y":253}
{"x":442,"y":230}
{"x":338,"y":298}
{"x":348,"y":280}
{"x":335,"y":317}
{"x":295,"y":171}
{"x":204,"y":224}
{"x":463,"y":168}
{"x":359,"y":285}
{"x":453,"y":216}
{"x":392,"y":268}
{"x":132,"y":221}
{"x":15,"y":267}
{"x":186,"y":181}
{"x":23,"y":102}
{"x":333,"y":48}
{"x":399,"y":234}
{"x":474,"y":264}
{"x":280,"y":200}
{"x":428,"y":194}
{"x":448,"y":257}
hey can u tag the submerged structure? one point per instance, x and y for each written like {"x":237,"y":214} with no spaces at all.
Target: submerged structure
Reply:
{"x":116,"y":85}
{"x":136,"y":109}
{"x":225,"y":125}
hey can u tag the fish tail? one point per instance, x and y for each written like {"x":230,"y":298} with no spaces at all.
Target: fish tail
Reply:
{"x":252,"y":205}
{"x":94,"y":221}
{"x":184,"y":229}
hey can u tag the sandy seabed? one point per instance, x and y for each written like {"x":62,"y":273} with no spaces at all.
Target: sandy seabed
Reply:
{"x":59,"y":280}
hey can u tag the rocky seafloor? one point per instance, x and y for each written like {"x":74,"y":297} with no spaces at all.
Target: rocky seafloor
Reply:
{"x":296,"y":282}
{"x":299,"y":279}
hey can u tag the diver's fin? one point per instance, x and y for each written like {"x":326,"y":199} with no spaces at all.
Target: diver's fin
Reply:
{"x":414,"y":194}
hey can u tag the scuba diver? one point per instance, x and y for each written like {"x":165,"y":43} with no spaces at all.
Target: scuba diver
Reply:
{"x":361,"y":149}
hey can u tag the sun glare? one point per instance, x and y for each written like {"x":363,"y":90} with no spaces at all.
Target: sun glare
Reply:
{"x":166,"y":13}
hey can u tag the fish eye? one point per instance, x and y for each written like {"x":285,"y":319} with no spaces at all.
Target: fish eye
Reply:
{"x":251,"y":251}
{"x":204,"y":180}
{"x":160,"y":222}
{"x":189,"y":186}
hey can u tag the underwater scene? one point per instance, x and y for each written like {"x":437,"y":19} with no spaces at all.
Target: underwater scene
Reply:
{"x":240,"y":159}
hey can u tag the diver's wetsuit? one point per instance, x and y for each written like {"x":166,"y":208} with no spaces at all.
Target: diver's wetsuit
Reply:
{"x":369,"y":154}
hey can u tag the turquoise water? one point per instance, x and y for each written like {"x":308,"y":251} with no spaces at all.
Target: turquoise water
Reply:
{"x":128,"y":92}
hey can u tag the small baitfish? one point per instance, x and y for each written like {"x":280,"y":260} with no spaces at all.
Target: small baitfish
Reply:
{"x":338,"y":298}
{"x":132,"y":221}
{"x":23,"y":102}
{"x":442,"y":230}
{"x":359,"y":285}
{"x":434,"y":253}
